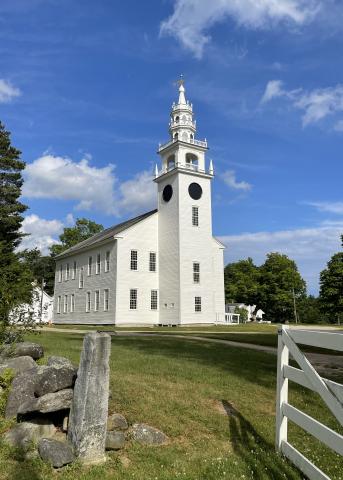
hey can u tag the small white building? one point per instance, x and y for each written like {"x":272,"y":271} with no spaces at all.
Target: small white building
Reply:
{"x":161,"y":268}
{"x":39,"y":311}
{"x":232,"y":317}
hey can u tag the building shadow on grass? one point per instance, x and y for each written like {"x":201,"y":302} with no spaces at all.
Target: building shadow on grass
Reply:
{"x":257,"y":454}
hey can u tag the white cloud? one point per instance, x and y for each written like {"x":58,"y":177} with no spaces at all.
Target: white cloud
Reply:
{"x":229,"y":178}
{"x":43,"y":233}
{"x":316,"y":104}
{"x":91,"y":187}
{"x":138,"y":194}
{"x":191,"y":19}
{"x":273,"y":90}
{"x":8,"y":91}
{"x":311,"y":248}
{"x":330,"y":207}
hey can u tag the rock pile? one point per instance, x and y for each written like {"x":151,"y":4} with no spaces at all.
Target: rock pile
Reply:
{"x":62,"y":411}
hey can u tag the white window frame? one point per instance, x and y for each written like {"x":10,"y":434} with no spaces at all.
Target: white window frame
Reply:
{"x":73,"y":272}
{"x":90,"y":265}
{"x":197,"y":304}
{"x":65,"y":304}
{"x":58,"y":309}
{"x":60,"y":273}
{"x":134,"y":260}
{"x":154,"y":300}
{"x":152,"y":262}
{"x":67,"y":272}
{"x":98,"y":264}
{"x":96,"y":300}
{"x":196,"y":272}
{"x":195,"y":216}
{"x":81,"y":278}
{"x":107,"y":261}
{"x":133,"y":298}
{"x":72,"y":303}
{"x":88,"y":302}
{"x":106,"y":299}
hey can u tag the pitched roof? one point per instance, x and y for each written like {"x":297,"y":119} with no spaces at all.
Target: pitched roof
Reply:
{"x":106,"y":234}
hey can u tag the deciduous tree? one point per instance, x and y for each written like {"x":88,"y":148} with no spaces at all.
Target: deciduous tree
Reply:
{"x":82,"y":230}
{"x":331,"y":288}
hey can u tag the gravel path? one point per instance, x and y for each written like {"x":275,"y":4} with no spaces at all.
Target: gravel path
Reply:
{"x":325,"y":364}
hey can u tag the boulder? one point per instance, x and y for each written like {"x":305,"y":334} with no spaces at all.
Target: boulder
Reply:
{"x":22,"y":390}
{"x":115,"y":440}
{"x":54,"y":452}
{"x":55,"y":361}
{"x":146,"y":435}
{"x":51,"y":402}
{"x":33,"y":350}
{"x":89,"y":410}
{"x":26,"y":433}
{"x":54,"y":378}
{"x":18,"y":364}
{"x":116,"y":421}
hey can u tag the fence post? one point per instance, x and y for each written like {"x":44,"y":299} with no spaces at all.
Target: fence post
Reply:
{"x":282,"y":391}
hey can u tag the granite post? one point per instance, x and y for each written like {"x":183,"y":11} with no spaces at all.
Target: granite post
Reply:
{"x":89,"y":410}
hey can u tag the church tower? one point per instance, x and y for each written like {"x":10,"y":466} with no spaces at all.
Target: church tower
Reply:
{"x":188,"y":254}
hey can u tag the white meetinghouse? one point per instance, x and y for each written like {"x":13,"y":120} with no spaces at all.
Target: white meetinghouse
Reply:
{"x":161,"y":268}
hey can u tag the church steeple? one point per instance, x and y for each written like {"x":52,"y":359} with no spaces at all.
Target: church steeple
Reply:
{"x":183,"y":151}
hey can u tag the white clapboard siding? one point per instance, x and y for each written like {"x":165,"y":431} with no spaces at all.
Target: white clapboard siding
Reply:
{"x":330,"y":392}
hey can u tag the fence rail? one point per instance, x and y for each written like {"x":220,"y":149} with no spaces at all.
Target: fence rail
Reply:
{"x":330,"y":392}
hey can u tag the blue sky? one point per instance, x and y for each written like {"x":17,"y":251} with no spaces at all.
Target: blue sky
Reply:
{"x":86,"y":89}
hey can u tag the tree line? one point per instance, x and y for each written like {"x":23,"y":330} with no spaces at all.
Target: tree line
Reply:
{"x":279,"y":290}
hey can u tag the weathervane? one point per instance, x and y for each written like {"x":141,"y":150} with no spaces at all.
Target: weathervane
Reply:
{"x":181,"y":80}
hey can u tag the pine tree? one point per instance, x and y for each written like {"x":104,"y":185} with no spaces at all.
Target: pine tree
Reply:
{"x":15,"y":279}
{"x":11,"y":181}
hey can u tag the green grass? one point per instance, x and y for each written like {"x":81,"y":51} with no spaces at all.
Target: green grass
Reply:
{"x":183,"y":387}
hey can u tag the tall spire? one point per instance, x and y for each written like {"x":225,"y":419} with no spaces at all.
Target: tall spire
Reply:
{"x":182,"y":98}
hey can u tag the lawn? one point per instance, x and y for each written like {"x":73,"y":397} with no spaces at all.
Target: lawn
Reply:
{"x":216,"y":403}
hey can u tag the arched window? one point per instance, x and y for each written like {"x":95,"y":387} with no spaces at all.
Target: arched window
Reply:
{"x":177,"y":119}
{"x":191,"y":161}
{"x":184,"y":137}
{"x":171,"y":162}
{"x":176,"y":136}
{"x":191,"y":136}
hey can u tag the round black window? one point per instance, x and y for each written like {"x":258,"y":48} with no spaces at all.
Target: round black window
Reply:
{"x":167,"y":193}
{"x":195,"y":191}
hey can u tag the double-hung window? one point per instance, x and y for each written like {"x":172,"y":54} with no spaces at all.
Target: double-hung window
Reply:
{"x":107,"y":262}
{"x":67,"y":272}
{"x":133,"y":299}
{"x":134,"y":260}
{"x":154,"y":300}
{"x":195,"y":216}
{"x":81,"y":278}
{"x":197,"y":304}
{"x":106,"y":297}
{"x":196,"y":272}
{"x":60,"y":273}
{"x":96,"y":300}
{"x":59,"y":304}
{"x":65,"y":304}
{"x":72,"y":303}
{"x":73,"y":272}
{"x":90,"y":261}
{"x":88,"y":302}
{"x":152,"y":262}
{"x":98,"y":264}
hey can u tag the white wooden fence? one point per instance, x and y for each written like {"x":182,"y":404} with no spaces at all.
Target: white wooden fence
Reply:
{"x":330,"y":392}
